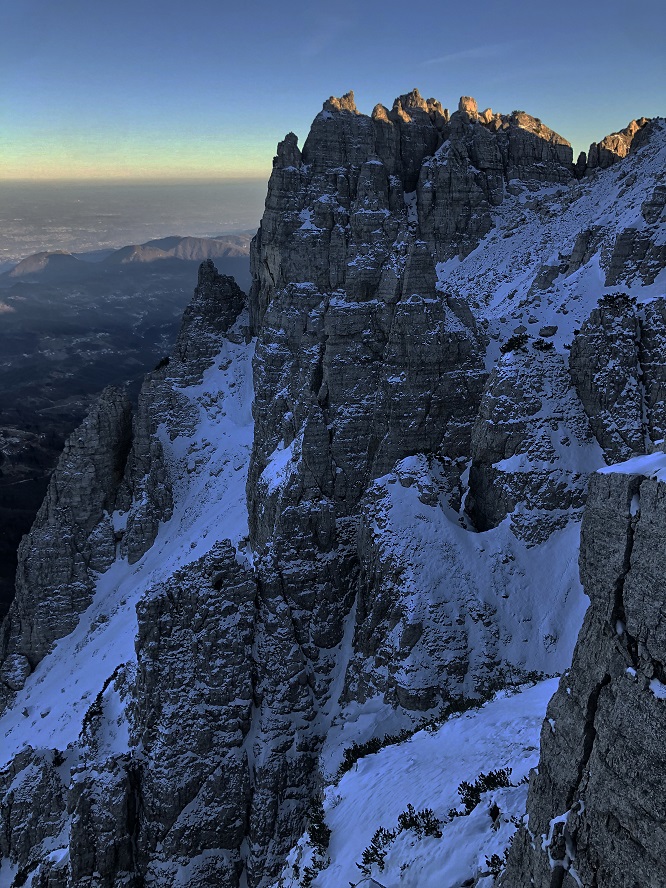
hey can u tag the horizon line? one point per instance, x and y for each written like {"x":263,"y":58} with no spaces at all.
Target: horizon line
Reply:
{"x":176,"y":179}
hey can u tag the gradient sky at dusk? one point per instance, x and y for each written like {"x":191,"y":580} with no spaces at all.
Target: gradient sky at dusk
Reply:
{"x":207,"y":88}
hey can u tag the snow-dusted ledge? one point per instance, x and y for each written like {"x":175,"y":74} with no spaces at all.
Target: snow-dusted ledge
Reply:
{"x":652,"y":465}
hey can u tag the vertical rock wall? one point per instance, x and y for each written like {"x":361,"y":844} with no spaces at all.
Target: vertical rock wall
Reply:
{"x":595,"y":809}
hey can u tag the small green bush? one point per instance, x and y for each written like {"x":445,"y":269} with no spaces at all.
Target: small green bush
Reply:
{"x":376,"y":851}
{"x":318,"y":830}
{"x":422,"y":823}
{"x":58,"y":758}
{"x":496,"y":864}
{"x":359,"y":750}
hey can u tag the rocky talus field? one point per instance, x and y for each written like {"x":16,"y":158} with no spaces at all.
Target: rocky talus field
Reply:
{"x":368,"y":587}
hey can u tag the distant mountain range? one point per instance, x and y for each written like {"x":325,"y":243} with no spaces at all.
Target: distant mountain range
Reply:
{"x":58,"y":265}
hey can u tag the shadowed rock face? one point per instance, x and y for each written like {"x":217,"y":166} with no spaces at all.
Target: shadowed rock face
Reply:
{"x":72,"y":538}
{"x":194,"y":642}
{"x":528,"y":423}
{"x":617,"y":367}
{"x":596,"y":805}
{"x":354,"y":337}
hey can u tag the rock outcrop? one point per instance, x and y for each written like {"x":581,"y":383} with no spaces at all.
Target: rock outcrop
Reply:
{"x":146,"y":496}
{"x":618,"y":369}
{"x":194,"y":692}
{"x":215,"y":306}
{"x":613,"y":147}
{"x":595,"y":806}
{"x":605,"y":368}
{"x":71,"y":540}
{"x":113,"y":462}
{"x":531,"y":447}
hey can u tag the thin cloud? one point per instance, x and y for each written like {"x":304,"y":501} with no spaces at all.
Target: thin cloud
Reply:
{"x":472,"y":54}
{"x":322,"y":36}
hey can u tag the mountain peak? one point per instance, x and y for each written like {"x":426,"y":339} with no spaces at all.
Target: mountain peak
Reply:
{"x":344,"y":103}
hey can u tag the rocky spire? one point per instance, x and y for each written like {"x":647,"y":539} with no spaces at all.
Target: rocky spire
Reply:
{"x":216,"y":304}
{"x":344,"y":103}
{"x":613,"y":147}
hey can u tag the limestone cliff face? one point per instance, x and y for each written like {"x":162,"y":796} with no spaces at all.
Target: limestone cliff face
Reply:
{"x":596,"y":805}
{"x":361,"y":358}
{"x":531,"y":447}
{"x":336,"y":210}
{"x":613,"y":147}
{"x":617,"y":366}
{"x":194,"y":644}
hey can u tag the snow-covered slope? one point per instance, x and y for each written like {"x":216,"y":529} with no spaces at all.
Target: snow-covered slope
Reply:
{"x":209,"y":469}
{"x":425,"y":772}
{"x":550,"y":256}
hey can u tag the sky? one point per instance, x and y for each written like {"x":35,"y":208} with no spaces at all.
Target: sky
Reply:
{"x":206,"y":89}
